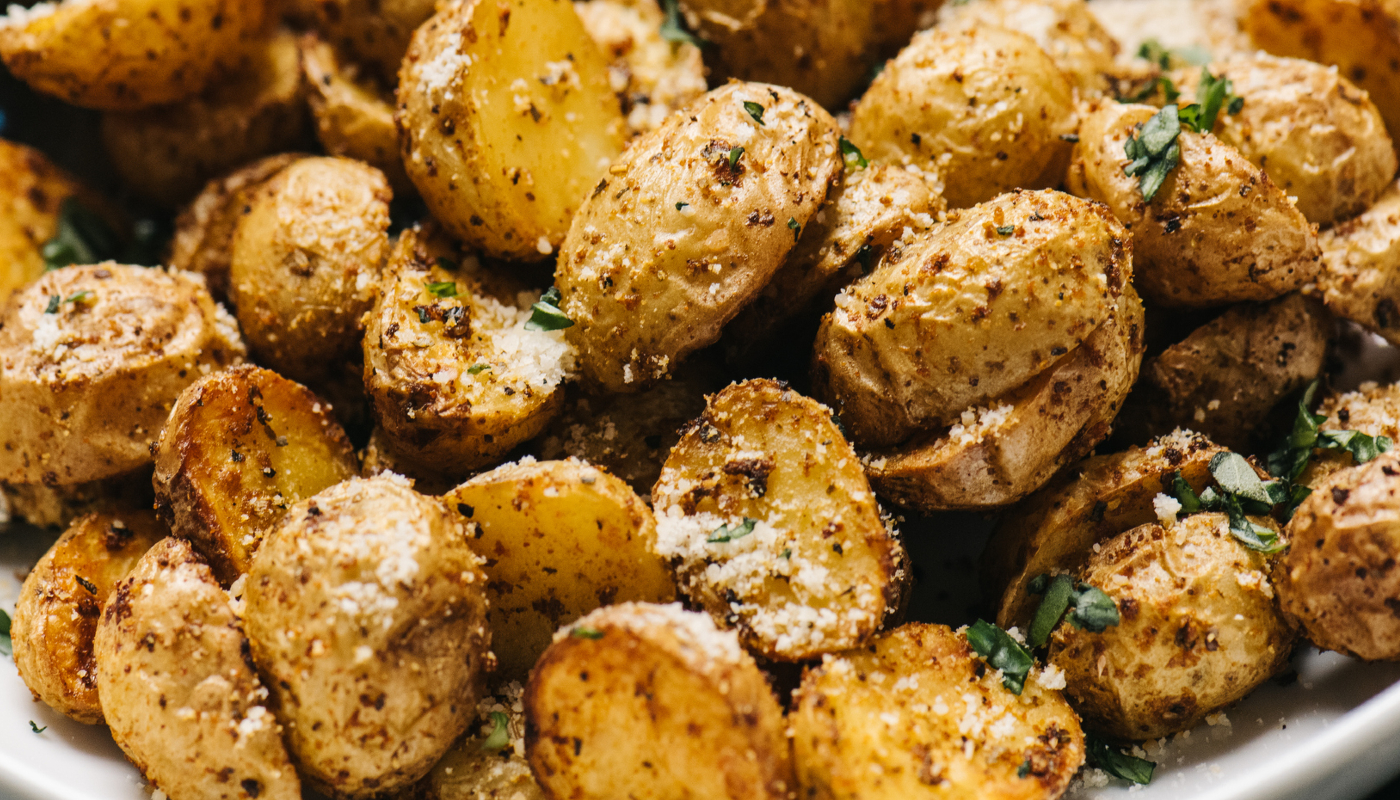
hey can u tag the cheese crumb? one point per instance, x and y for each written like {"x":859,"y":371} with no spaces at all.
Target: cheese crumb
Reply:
{"x":1166,"y":507}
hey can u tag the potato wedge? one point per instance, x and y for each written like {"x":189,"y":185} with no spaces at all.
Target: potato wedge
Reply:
{"x":560,"y":539}
{"x":504,"y":151}
{"x":354,"y":116}
{"x":480,"y":767}
{"x":61,"y":602}
{"x":239,"y":448}
{"x":177,"y":690}
{"x":1360,"y":277}
{"x":652,"y":701}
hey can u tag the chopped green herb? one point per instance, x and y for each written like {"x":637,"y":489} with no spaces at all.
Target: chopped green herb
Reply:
{"x":477,"y":369}
{"x":1025,"y":768}
{"x":787,"y":552}
{"x":584,"y":632}
{"x":1152,"y":50}
{"x":5,"y":644}
{"x":1072,"y":138}
{"x":1363,"y":448}
{"x":34,"y":727}
{"x":547,"y":315}
{"x":1038,"y":584}
{"x":1236,"y":476}
{"x":679,"y":206}
{"x":852,"y":155}
{"x":724,"y":533}
{"x":1154,"y":151}
{"x":1002,"y":652}
{"x":1214,"y":93}
{"x":1115,"y":762}
{"x":1236,"y":105}
{"x":1169,"y":91}
{"x":1094,"y":611}
{"x":82,"y":238}
{"x":1005,"y":230}
{"x":735,"y":153}
{"x":54,"y":302}
{"x":500,"y":735}
{"x":1089,"y":608}
{"x":673,"y":27}
{"x":1057,"y":601}
{"x":755,"y":110}
{"x":80,"y":297}
{"x":1184,"y":494}
{"x":795,"y":228}
{"x":423,"y":315}
{"x":441,"y":288}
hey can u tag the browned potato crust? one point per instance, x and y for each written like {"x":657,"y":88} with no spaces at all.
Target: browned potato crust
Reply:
{"x":1067,"y":30}
{"x":57,"y":506}
{"x":59,"y":605}
{"x":239,"y":447}
{"x":1373,"y":410}
{"x":376,"y":32}
{"x":470,"y":772}
{"x":85,"y":390}
{"x":1198,"y":629}
{"x":862,"y":726}
{"x":1360,"y":278}
{"x":178,"y":692}
{"x":643,"y":700}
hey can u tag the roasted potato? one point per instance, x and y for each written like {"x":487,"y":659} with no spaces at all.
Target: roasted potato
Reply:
{"x":898,"y":20}
{"x":722,"y":192}
{"x":652,"y":76}
{"x":561,"y":538}
{"x":1360,"y":277}
{"x":503,"y":152}
{"x":1067,"y":30}
{"x":177,"y":690}
{"x":354,"y":116}
{"x":166,"y":154}
{"x":1218,"y":230}
{"x":239,"y":448}
{"x":59,"y":605}
{"x":862,"y":727}
{"x":771,"y":527}
{"x":980,"y":106}
{"x":58,"y":506}
{"x":1198,"y":629}
{"x":1339,"y":580}
{"x":306,"y":260}
{"x":376,"y":32}
{"x":377,"y":459}
{"x":1373,"y":410}
{"x":486,"y":764}
{"x":91,"y":361}
{"x":455,"y":377}
{"x":641,"y":700}
{"x":366,"y":611}
{"x":166,"y":51}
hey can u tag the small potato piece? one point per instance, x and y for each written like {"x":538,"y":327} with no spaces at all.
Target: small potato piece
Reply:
{"x":1374,"y":412}
{"x":177,"y":690}
{"x":1218,"y":231}
{"x":166,"y":154}
{"x":723,"y":198}
{"x":651,"y":701}
{"x":32,"y":190}
{"x":1339,"y":579}
{"x":354,"y":117}
{"x":1067,"y":30}
{"x":562,"y":538}
{"x":306,"y":256}
{"x":241,"y":446}
{"x":653,"y":77}
{"x":469,"y":771}
{"x":981,"y":106}
{"x":503,"y":384}
{"x":367,"y":613}
{"x":1198,"y":629}
{"x":59,"y":605}
{"x":504,"y":151}
{"x":854,"y":737}
{"x":58,"y":506}
{"x":203,"y":240}
{"x":899,"y":20}
{"x":1360,"y":278}
{"x":167,"y":50}
{"x":1055,"y":529}
{"x":84,"y":390}
{"x":377,"y":32}
{"x":770,"y":525}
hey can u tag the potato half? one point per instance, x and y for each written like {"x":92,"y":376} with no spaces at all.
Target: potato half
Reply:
{"x":483,"y":767}
{"x":1360,"y":277}
{"x":354,"y":116}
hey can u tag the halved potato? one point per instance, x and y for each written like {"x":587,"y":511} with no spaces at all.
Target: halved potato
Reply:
{"x":376,"y":32}
{"x":472,"y":770}
{"x":354,"y":116}
{"x":1360,"y":278}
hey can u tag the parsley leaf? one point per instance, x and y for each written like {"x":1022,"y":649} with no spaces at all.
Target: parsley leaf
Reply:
{"x":441,"y":288}
{"x":755,"y":110}
{"x":1000,"y":651}
{"x":6,"y":646}
{"x":82,"y":238}
{"x":1099,"y":753}
{"x":1089,"y":608}
{"x":735,"y":153}
{"x":585,"y":632}
{"x":673,"y":27}
{"x":724,"y":533}
{"x":852,"y":154}
{"x":500,"y":735}
{"x":547,"y":315}
{"x":1154,"y":151}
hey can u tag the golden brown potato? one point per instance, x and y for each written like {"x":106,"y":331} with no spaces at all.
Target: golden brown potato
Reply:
{"x":376,"y":32}
{"x":688,"y":226}
{"x":1360,"y":277}
{"x":91,"y":361}
{"x":455,"y":377}
{"x":203,"y":240}
{"x":862,"y":728}
{"x":981,"y":106}
{"x":480,"y":768}
{"x":59,"y":605}
{"x":58,"y":506}
{"x":820,"y":48}
{"x":1218,"y":231}
{"x":239,"y":448}
{"x":641,"y":700}
{"x":306,"y":258}
{"x":1360,"y":37}
{"x":166,"y":154}
{"x":898,"y":20}
{"x":1373,"y":410}
{"x":503,"y":152}
{"x":1339,"y":578}
{"x":767,"y":519}
{"x":651,"y":76}
{"x":354,"y":116}
{"x":366,"y":611}
{"x":177,"y":690}
{"x":1067,"y":30}
{"x":377,"y":459}
{"x":1055,"y":530}
{"x":167,"y":50}
{"x":1198,"y":629}
{"x":561,"y":538}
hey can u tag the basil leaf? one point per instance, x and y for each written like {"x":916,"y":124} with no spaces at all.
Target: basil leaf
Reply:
{"x":1094,"y":611}
{"x":441,"y":288}
{"x":673,"y":27}
{"x":1000,"y":651}
{"x":1236,"y":476}
{"x":500,"y":735}
{"x":795,"y":228}
{"x":735,"y":153}
{"x":547,"y":316}
{"x":6,"y":646}
{"x":584,"y":632}
{"x":1184,"y":494}
{"x":34,"y":727}
{"x":1058,"y":597}
{"x":1099,"y":753}
{"x":852,"y":155}
{"x":726,"y":534}
{"x":1255,"y":537}
{"x":755,"y":110}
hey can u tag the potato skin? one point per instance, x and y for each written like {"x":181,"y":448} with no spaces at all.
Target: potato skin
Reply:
{"x":56,"y":615}
{"x":376,"y":32}
{"x":562,"y":538}
{"x":84,"y":391}
{"x":306,"y":255}
{"x":661,"y":704}
{"x":918,"y":111}
{"x":1338,"y":580}
{"x":1374,"y":412}
{"x":964,"y":314}
{"x":369,"y":590}
{"x":1218,"y":231}
{"x":1360,"y":277}
{"x":1199,"y":629}
{"x":179,"y":695}
{"x":468,"y":772}
{"x":1067,"y":30}
{"x":168,"y":50}
{"x":58,"y":506}
{"x":240,"y":446}
{"x":899,"y":20}
{"x":845,"y":747}
{"x":504,"y":168}
{"x":819,"y":571}
{"x":354,"y":116}
{"x":641,"y":304}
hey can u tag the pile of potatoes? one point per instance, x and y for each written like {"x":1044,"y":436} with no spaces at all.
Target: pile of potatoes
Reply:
{"x":526,"y":396}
